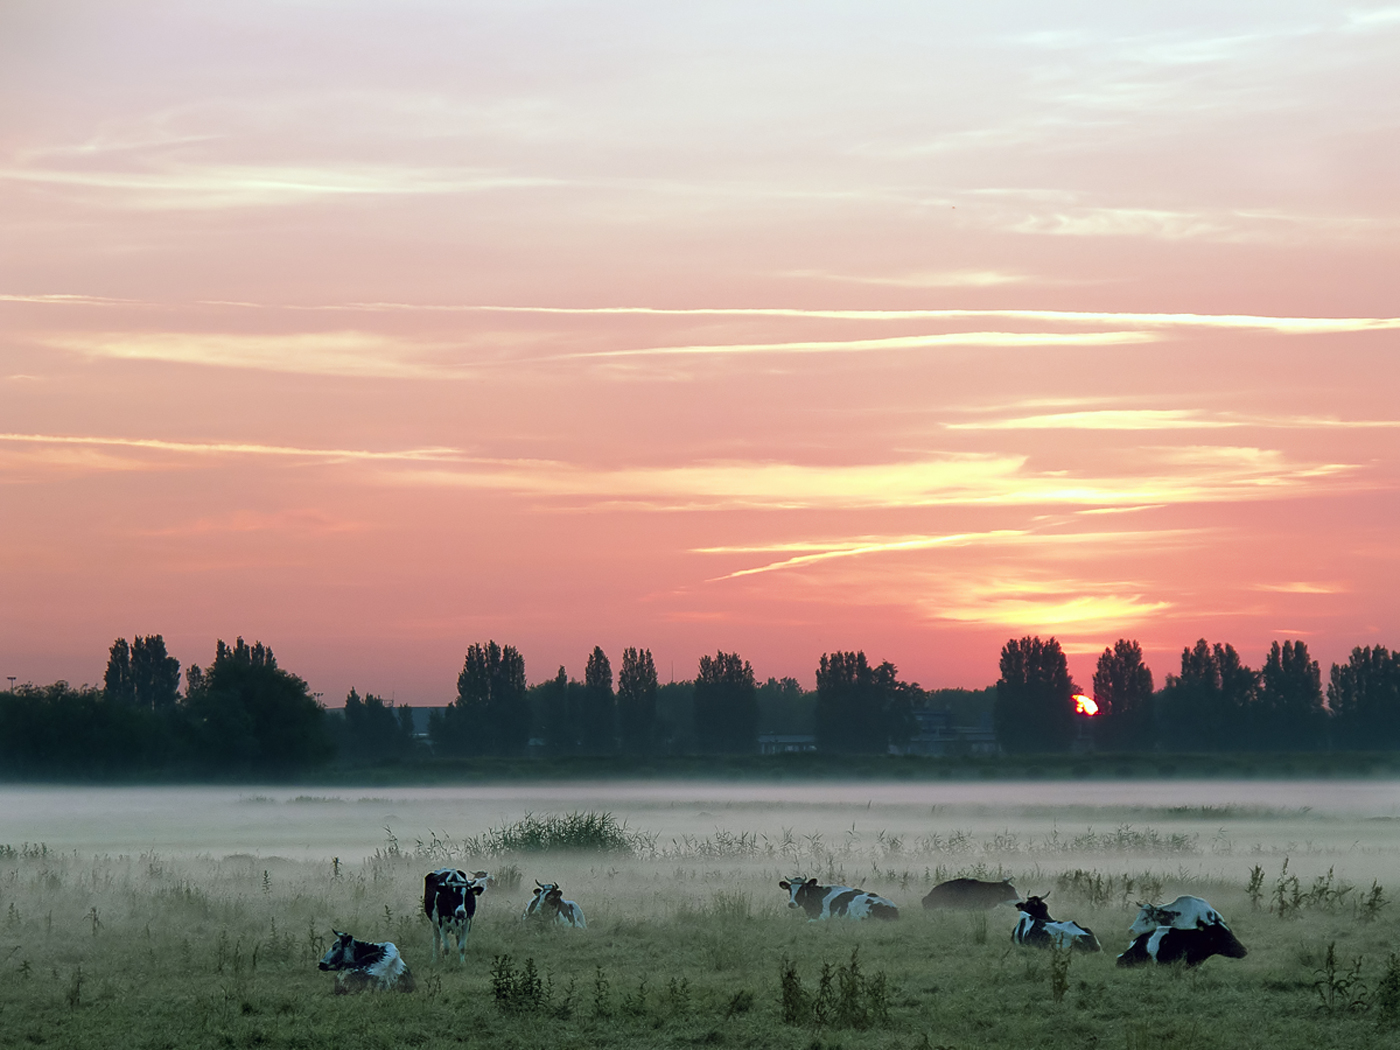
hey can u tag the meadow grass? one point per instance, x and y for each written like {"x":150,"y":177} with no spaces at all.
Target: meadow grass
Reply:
{"x":690,"y":944}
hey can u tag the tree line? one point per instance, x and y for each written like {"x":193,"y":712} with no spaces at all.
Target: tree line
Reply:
{"x":243,"y":714}
{"x":1215,"y":702}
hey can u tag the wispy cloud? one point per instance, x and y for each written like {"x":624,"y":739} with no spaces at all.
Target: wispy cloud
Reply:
{"x":213,"y":186}
{"x":901,"y":342}
{"x":239,"y":448}
{"x":1053,"y":611}
{"x":1286,"y":325}
{"x":1165,"y":419}
{"x":854,"y":549}
{"x":316,"y":353}
{"x":924,"y":279}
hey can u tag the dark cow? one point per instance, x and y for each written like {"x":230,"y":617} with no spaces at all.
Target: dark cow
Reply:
{"x":449,"y":901}
{"x":825,"y":902}
{"x":971,"y":894}
{"x":365,"y":967}
{"x":1037,"y":930}
{"x":548,"y":905}
{"x":1187,"y":930}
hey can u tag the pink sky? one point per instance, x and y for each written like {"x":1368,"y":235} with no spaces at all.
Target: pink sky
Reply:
{"x":373,"y":330}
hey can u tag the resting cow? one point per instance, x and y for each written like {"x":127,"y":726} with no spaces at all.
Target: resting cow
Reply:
{"x":1187,"y":930}
{"x":1036,"y":929}
{"x":549,"y":905}
{"x":825,"y":902}
{"x":971,"y":894}
{"x":449,"y":901}
{"x":365,"y":967}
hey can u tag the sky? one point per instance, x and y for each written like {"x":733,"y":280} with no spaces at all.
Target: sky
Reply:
{"x":373,"y":330}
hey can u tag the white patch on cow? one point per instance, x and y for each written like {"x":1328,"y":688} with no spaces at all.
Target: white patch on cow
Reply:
{"x":1155,"y":941}
{"x":1184,"y":913}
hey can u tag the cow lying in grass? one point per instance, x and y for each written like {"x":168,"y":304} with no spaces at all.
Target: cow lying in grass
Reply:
{"x":449,"y":901}
{"x":825,"y":902}
{"x":365,"y":967}
{"x":549,"y":905}
{"x":1036,"y":929}
{"x":971,"y":894}
{"x":1187,"y":930}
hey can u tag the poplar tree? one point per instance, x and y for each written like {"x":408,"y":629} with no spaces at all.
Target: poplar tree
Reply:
{"x":1123,"y":689}
{"x":636,"y":701}
{"x":726,"y":705}
{"x":1034,"y":710}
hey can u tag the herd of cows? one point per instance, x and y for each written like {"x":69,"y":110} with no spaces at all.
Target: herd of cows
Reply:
{"x":1188,"y":930}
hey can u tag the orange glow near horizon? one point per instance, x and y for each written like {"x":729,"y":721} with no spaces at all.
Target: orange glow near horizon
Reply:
{"x":375,"y":331}
{"x":1085,"y":705}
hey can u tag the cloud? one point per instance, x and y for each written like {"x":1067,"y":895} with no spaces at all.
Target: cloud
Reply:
{"x":315,"y":353}
{"x":216,"y":186}
{"x":1303,"y":588}
{"x":901,"y":342}
{"x":855,"y":549}
{"x":1053,"y":611}
{"x":1163,"y":419}
{"x":926,"y":279}
{"x":214,"y":448}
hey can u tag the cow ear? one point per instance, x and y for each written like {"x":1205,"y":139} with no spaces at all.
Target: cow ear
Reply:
{"x":811,"y":882}
{"x":478,"y":890}
{"x":784,"y":884}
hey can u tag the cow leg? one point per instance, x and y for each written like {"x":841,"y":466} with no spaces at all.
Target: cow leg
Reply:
{"x":439,"y":942}
{"x":462,"y":931}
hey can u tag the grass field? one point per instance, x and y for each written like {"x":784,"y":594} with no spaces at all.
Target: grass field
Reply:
{"x":690,"y":943}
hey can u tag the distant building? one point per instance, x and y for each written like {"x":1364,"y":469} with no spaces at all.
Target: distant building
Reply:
{"x":786,"y":743}
{"x":935,"y":734}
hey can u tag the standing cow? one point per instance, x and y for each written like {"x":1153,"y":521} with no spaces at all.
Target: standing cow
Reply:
{"x":825,"y":902}
{"x":971,"y":894}
{"x":1037,"y":930}
{"x":1187,"y":930}
{"x":449,"y":901}
{"x":548,"y":905}
{"x":362,"y":966}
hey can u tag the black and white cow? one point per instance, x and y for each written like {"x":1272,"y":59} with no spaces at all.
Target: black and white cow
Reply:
{"x":1187,"y":930}
{"x":971,"y":894}
{"x":1036,"y":929}
{"x":825,"y":902}
{"x":548,"y":905}
{"x":362,"y":966}
{"x":449,"y":901}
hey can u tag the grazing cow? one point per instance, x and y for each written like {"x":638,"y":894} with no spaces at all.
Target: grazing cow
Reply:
{"x":449,"y":901}
{"x":971,"y":894}
{"x":364,"y":967}
{"x":548,"y":905}
{"x":1187,"y":930}
{"x":825,"y":902}
{"x":1037,"y":930}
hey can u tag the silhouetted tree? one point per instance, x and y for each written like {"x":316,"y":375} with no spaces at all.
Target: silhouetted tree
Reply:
{"x":76,"y":732}
{"x":1209,"y":705}
{"x":636,"y":701}
{"x":1123,"y":689}
{"x":785,"y":707}
{"x":861,"y":709}
{"x":726,"y":705}
{"x":553,"y":713}
{"x":246,"y":712}
{"x":117,"y":685}
{"x":1289,"y":712}
{"x":374,"y":730}
{"x":598,"y":725}
{"x":1363,"y":696}
{"x":491,"y":715}
{"x":154,"y":673}
{"x":1034,"y":711}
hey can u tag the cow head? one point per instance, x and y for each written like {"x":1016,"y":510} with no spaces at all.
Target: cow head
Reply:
{"x":795,"y":886}
{"x":341,"y":955}
{"x":1036,"y":908}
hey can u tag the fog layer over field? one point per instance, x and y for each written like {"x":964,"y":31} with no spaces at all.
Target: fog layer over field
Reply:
{"x":1355,"y":824}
